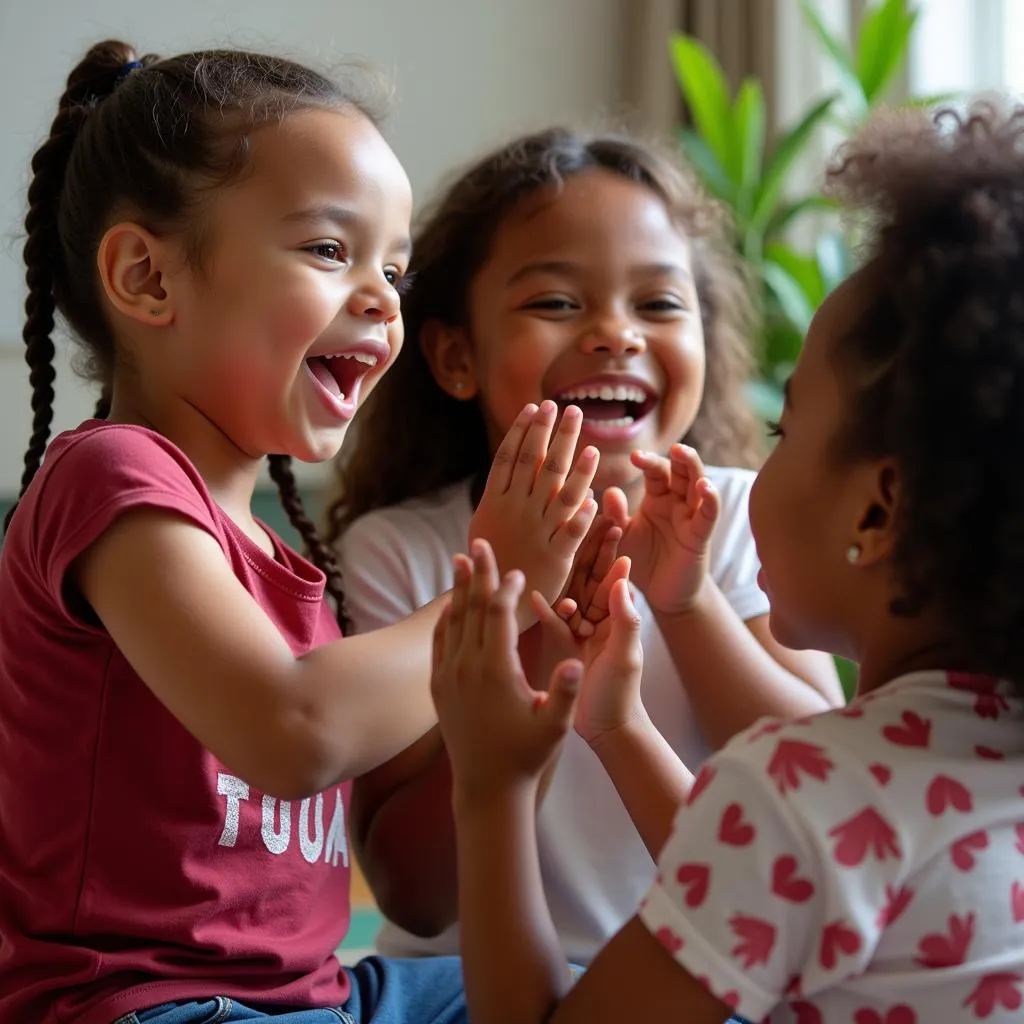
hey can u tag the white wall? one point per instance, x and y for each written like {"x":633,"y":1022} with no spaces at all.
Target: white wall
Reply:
{"x":468,"y":73}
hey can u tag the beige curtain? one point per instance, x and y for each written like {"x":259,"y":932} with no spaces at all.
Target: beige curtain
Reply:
{"x":741,"y":34}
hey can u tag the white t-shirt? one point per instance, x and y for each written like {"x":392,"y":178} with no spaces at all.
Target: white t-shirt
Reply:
{"x":595,"y":865}
{"x":865,"y":865}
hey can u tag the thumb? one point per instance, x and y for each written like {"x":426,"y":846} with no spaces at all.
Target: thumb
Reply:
{"x":624,"y":641}
{"x":559,"y":708}
{"x":615,"y":506}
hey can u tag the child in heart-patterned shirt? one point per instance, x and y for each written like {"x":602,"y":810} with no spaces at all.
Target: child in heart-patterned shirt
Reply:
{"x":865,"y":866}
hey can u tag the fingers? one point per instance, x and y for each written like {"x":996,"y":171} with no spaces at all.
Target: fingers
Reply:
{"x":573,"y":493}
{"x":553,"y":621}
{"x":687,"y":470}
{"x":483,"y":583}
{"x":624,"y":639}
{"x":586,"y":558}
{"x":657,"y":472}
{"x":499,"y":479}
{"x":500,"y":630}
{"x":558,"y":462}
{"x":707,"y":513}
{"x":600,"y":602}
{"x":596,"y":573}
{"x":533,"y":449}
{"x":567,"y":538}
{"x":615,"y":506}
{"x":559,"y":703}
{"x":456,"y":623}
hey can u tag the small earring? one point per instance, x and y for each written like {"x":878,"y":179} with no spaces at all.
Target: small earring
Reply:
{"x":853,"y":554}
{"x":460,"y":386}
{"x":155,"y":312}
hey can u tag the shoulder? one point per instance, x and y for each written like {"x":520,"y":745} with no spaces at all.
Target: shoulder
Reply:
{"x":438,"y":522}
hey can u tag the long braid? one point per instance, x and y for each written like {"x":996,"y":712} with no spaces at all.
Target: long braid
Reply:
{"x":322,"y":556}
{"x":42,"y":250}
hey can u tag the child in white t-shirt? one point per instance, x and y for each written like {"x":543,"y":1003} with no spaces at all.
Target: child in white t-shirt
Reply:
{"x":585,"y":268}
{"x":863,"y":866}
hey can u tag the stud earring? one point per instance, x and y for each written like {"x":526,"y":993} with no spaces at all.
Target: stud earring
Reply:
{"x":155,"y":312}
{"x":853,"y":554}
{"x":460,"y":386}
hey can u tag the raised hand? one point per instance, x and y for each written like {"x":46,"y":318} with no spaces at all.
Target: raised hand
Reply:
{"x":537,"y":505}
{"x":500,"y":733}
{"x":609,"y":649}
{"x":667,"y":538}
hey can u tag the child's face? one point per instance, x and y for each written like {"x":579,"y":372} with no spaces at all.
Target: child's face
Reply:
{"x":292,"y":318}
{"x":807,"y":506}
{"x":588,"y":297}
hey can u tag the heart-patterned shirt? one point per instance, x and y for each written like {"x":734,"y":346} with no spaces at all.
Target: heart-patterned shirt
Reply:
{"x":862,"y":866}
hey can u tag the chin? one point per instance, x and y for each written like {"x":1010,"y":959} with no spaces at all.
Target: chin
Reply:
{"x":322,"y":446}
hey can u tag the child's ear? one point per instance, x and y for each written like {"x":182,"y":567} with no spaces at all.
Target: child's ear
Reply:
{"x":449,"y":357}
{"x":132,"y":265}
{"x":875,"y":531}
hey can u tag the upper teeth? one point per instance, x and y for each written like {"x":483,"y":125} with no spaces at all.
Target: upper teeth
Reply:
{"x":359,"y":357}
{"x":607,"y":392}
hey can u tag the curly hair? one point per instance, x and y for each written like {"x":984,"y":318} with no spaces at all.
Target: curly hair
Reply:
{"x":390,"y":462}
{"x":933,"y":365}
{"x":152,"y":137}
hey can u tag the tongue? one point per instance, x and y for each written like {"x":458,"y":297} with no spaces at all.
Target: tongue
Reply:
{"x":323,"y":374}
{"x":599,"y":409}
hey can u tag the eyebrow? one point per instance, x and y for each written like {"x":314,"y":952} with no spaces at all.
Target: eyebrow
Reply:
{"x":566,"y":268}
{"x":342,"y":217}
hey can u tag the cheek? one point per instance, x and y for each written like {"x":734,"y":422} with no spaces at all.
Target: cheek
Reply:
{"x":685,"y":366}
{"x":511,"y":372}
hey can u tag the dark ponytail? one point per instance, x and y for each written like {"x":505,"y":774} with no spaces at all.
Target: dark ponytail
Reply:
{"x":321,"y":555}
{"x":94,"y":78}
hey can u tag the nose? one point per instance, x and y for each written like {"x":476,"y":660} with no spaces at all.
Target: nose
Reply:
{"x":616,"y":337}
{"x":375,"y":300}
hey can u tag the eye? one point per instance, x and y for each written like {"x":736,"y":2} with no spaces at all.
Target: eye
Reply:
{"x":664,"y":304}
{"x":774,"y":428}
{"x":552,"y":305}
{"x":329,"y":252}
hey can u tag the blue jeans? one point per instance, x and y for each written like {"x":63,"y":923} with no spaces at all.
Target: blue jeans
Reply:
{"x":384,"y":991}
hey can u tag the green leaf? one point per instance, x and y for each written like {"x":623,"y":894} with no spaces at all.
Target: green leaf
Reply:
{"x":706,"y":164}
{"x":786,"y":152}
{"x":791,"y":211}
{"x":833,"y":260}
{"x":803,"y":268}
{"x":882,"y":47}
{"x":842,"y":64}
{"x":794,"y":303}
{"x":749,"y":130}
{"x":707,"y":97}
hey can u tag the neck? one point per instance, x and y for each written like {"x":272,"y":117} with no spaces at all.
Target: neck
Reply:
{"x":230,"y":474}
{"x":882,"y":662}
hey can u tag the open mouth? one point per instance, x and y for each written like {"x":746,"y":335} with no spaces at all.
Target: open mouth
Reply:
{"x":339,"y":373}
{"x":613,"y":405}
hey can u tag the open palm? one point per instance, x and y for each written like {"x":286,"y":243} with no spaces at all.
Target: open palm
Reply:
{"x":666,"y":539}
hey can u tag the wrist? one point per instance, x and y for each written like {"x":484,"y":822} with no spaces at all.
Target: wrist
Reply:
{"x":481,"y":800}
{"x":625,"y":733}
{"x":699,"y":602}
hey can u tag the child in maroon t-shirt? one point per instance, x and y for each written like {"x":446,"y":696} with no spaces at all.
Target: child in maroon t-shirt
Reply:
{"x":226,"y":234}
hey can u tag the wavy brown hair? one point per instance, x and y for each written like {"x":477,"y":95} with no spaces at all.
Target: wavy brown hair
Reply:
{"x":933,"y":362}
{"x":149,"y":137}
{"x":413,"y":438}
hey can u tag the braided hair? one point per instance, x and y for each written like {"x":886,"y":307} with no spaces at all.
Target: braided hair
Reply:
{"x":148,"y":135}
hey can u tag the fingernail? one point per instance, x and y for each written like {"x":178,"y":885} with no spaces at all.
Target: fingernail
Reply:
{"x":547,"y":407}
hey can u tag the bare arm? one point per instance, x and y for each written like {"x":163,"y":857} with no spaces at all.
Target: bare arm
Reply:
{"x":648,"y":776}
{"x":289,"y":726}
{"x":735,"y":675}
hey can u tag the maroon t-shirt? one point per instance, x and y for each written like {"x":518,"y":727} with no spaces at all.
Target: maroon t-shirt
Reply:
{"x":134,"y":868}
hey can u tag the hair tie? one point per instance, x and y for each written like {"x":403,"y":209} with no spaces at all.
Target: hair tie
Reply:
{"x":126,"y":69}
